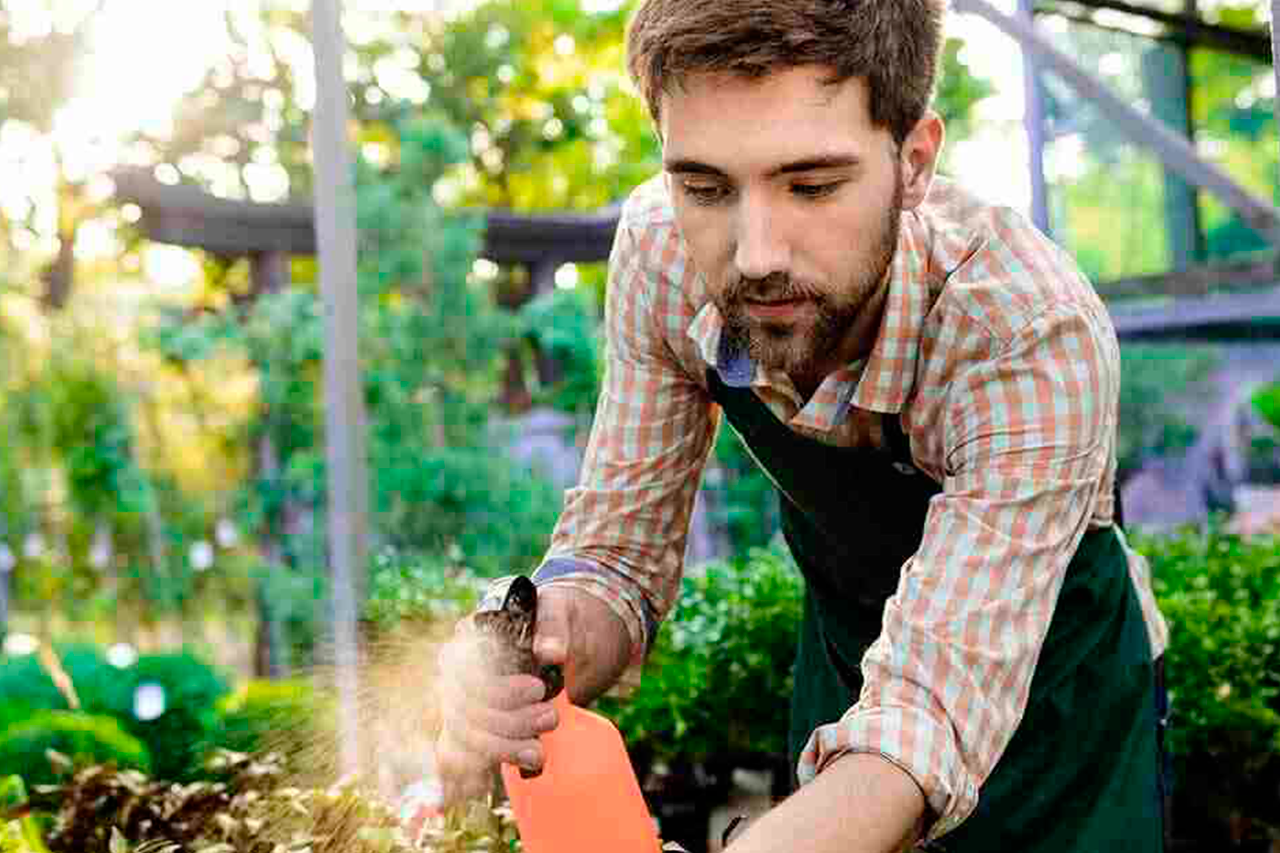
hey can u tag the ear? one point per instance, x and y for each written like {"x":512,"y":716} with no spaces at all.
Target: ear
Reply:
{"x":918,"y":158}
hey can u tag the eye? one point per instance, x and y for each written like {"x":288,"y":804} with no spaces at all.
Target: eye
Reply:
{"x":812,"y":191}
{"x":705,"y":193}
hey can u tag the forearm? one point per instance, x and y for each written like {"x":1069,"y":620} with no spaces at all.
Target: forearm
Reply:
{"x":861,"y":802}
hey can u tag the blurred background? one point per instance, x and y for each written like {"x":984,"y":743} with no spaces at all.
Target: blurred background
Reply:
{"x":163,"y":507}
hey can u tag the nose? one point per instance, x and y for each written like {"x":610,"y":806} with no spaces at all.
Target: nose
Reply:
{"x":760,"y":249}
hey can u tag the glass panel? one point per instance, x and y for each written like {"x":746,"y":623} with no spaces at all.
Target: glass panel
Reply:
{"x":1109,"y":202}
{"x":1235,"y":125}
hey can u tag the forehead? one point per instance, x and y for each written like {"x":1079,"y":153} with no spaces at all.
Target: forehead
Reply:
{"x":730,"y":119}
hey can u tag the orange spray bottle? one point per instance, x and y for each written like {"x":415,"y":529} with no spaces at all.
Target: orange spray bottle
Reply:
{"x":587,"y":798}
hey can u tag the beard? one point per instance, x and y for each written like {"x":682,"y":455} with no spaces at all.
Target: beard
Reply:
{"x":800,"y":348}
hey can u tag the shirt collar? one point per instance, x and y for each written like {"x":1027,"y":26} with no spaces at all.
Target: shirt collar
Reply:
{"x":883,"y":380}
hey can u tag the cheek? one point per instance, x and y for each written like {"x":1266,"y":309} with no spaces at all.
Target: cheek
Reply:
{"x":704,"y":236}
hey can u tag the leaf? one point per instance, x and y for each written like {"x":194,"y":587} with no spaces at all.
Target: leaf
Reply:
{"x":1267,"y":403}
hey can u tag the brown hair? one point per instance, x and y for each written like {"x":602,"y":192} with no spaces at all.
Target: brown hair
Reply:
{"x":893,"y":44}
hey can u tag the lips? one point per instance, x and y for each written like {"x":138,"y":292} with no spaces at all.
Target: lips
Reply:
{"x":777,"y":309}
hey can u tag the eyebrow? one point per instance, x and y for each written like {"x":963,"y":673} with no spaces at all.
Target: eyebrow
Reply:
{"x":808,"y":164}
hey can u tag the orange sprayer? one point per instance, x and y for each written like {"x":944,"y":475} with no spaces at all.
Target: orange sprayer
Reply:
{"x":587,"y":799}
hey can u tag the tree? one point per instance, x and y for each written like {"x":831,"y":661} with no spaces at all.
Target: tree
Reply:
{"x":48,"y":53}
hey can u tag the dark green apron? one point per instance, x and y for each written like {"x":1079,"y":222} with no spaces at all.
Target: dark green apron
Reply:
{"x":1080,"y":773}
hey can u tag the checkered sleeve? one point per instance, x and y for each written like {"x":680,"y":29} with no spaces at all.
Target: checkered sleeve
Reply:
{"x":1026,"y":435}
{"x":623,"y":530}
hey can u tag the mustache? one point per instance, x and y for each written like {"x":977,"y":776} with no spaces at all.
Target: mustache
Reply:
{"x":776,"y":287}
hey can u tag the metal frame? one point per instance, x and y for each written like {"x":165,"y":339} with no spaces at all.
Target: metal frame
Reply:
{"x":1173,"y":150}
{"x":344,"y":395}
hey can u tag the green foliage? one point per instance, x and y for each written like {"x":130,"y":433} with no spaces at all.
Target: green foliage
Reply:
{"x":271,"y":716}
{"x":101,"y":687}
{"x":420,"y":589}
{"x":746,"y":502}
{"x":174,"y":740}
{"x":1220,"y":594}
{"x":1157,"y":383}
{"x":84,"y":738}
{"x":13,"y":793}
{"x":251,"y":810}
{"x":565,"y":324}
{"x":959,"y":90}
{"x":729,"y":643}
{"x":250,"y":806}
{"x":191,"y":691}
{"x":1267,"y":403}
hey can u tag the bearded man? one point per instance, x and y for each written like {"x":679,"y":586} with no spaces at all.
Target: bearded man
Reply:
{"x":930,"y":384}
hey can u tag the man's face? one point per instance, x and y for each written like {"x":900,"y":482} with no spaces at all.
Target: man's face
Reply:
{"x":789,"y":200}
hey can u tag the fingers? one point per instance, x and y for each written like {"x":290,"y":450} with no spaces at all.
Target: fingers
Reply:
{"x":552,"y":635}
{"x":487,"y":719}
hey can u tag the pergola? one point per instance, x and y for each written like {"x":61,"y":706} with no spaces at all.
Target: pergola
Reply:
{"x":1228,"y":299}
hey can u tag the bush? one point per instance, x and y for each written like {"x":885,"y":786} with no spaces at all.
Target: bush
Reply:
{"x":101,"y":687}
{"x":84,"y":738}
{"x":1220,"y":594}
{"x":729,"y":643}
{"x":251,"y":809}
{"x":176,"y":738}
{"x":419,"y":589}
{"x":284,"y":717}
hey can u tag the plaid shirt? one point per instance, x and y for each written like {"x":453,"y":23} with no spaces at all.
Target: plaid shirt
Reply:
{"x":1004,"y":367}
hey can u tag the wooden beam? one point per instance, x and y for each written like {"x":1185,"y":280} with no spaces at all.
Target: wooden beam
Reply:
{"x":1245,"y":274}
{"x":1241,"y":315}
{"x":343,"y":389}
{"x":1190,"y":29}
{"x":1178,"y":154}
{"x":184,"y":215}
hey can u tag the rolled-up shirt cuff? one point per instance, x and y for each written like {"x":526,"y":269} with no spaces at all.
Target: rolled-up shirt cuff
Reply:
{"x":949,"y":789}
{"x":618,"y":593}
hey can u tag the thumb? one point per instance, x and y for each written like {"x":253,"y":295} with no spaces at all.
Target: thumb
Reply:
{"x":552,"y":633}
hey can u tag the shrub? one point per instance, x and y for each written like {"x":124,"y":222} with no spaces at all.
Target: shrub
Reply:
{"x":729,"y":643}
{"x":174,"y":739}
{"x":284,"y":717}
{"x":420,"y":589}
{"x":253,"y":808}
{"x":191,"y":690}
{"x":84,"y":738}
{"x":100,"y":687}
{"x":1220,"y":594}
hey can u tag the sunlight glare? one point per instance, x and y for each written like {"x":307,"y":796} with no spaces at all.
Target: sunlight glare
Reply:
{"x":170,"y":266}
{"x":120,"y":89}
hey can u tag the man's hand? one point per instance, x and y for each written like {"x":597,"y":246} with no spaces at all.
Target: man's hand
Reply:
{"x":490,"y":719}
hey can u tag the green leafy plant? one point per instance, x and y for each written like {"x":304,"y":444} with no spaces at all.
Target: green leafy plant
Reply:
{"x":1154,"y":378}
{"x":249,"y":806}
{"x":1220,"y":594}
{"x":1266,"y":401}
{"x":288,"y":718}
{"x":84,"y":738}
{"x":191,"y":689}
{"x":729,"y":643}
{"x":421,"y":589}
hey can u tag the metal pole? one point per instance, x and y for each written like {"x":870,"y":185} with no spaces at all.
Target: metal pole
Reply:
{"x":1033,"y":118}
{"x":336,"y":243}
{"x":1275,"y":47}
